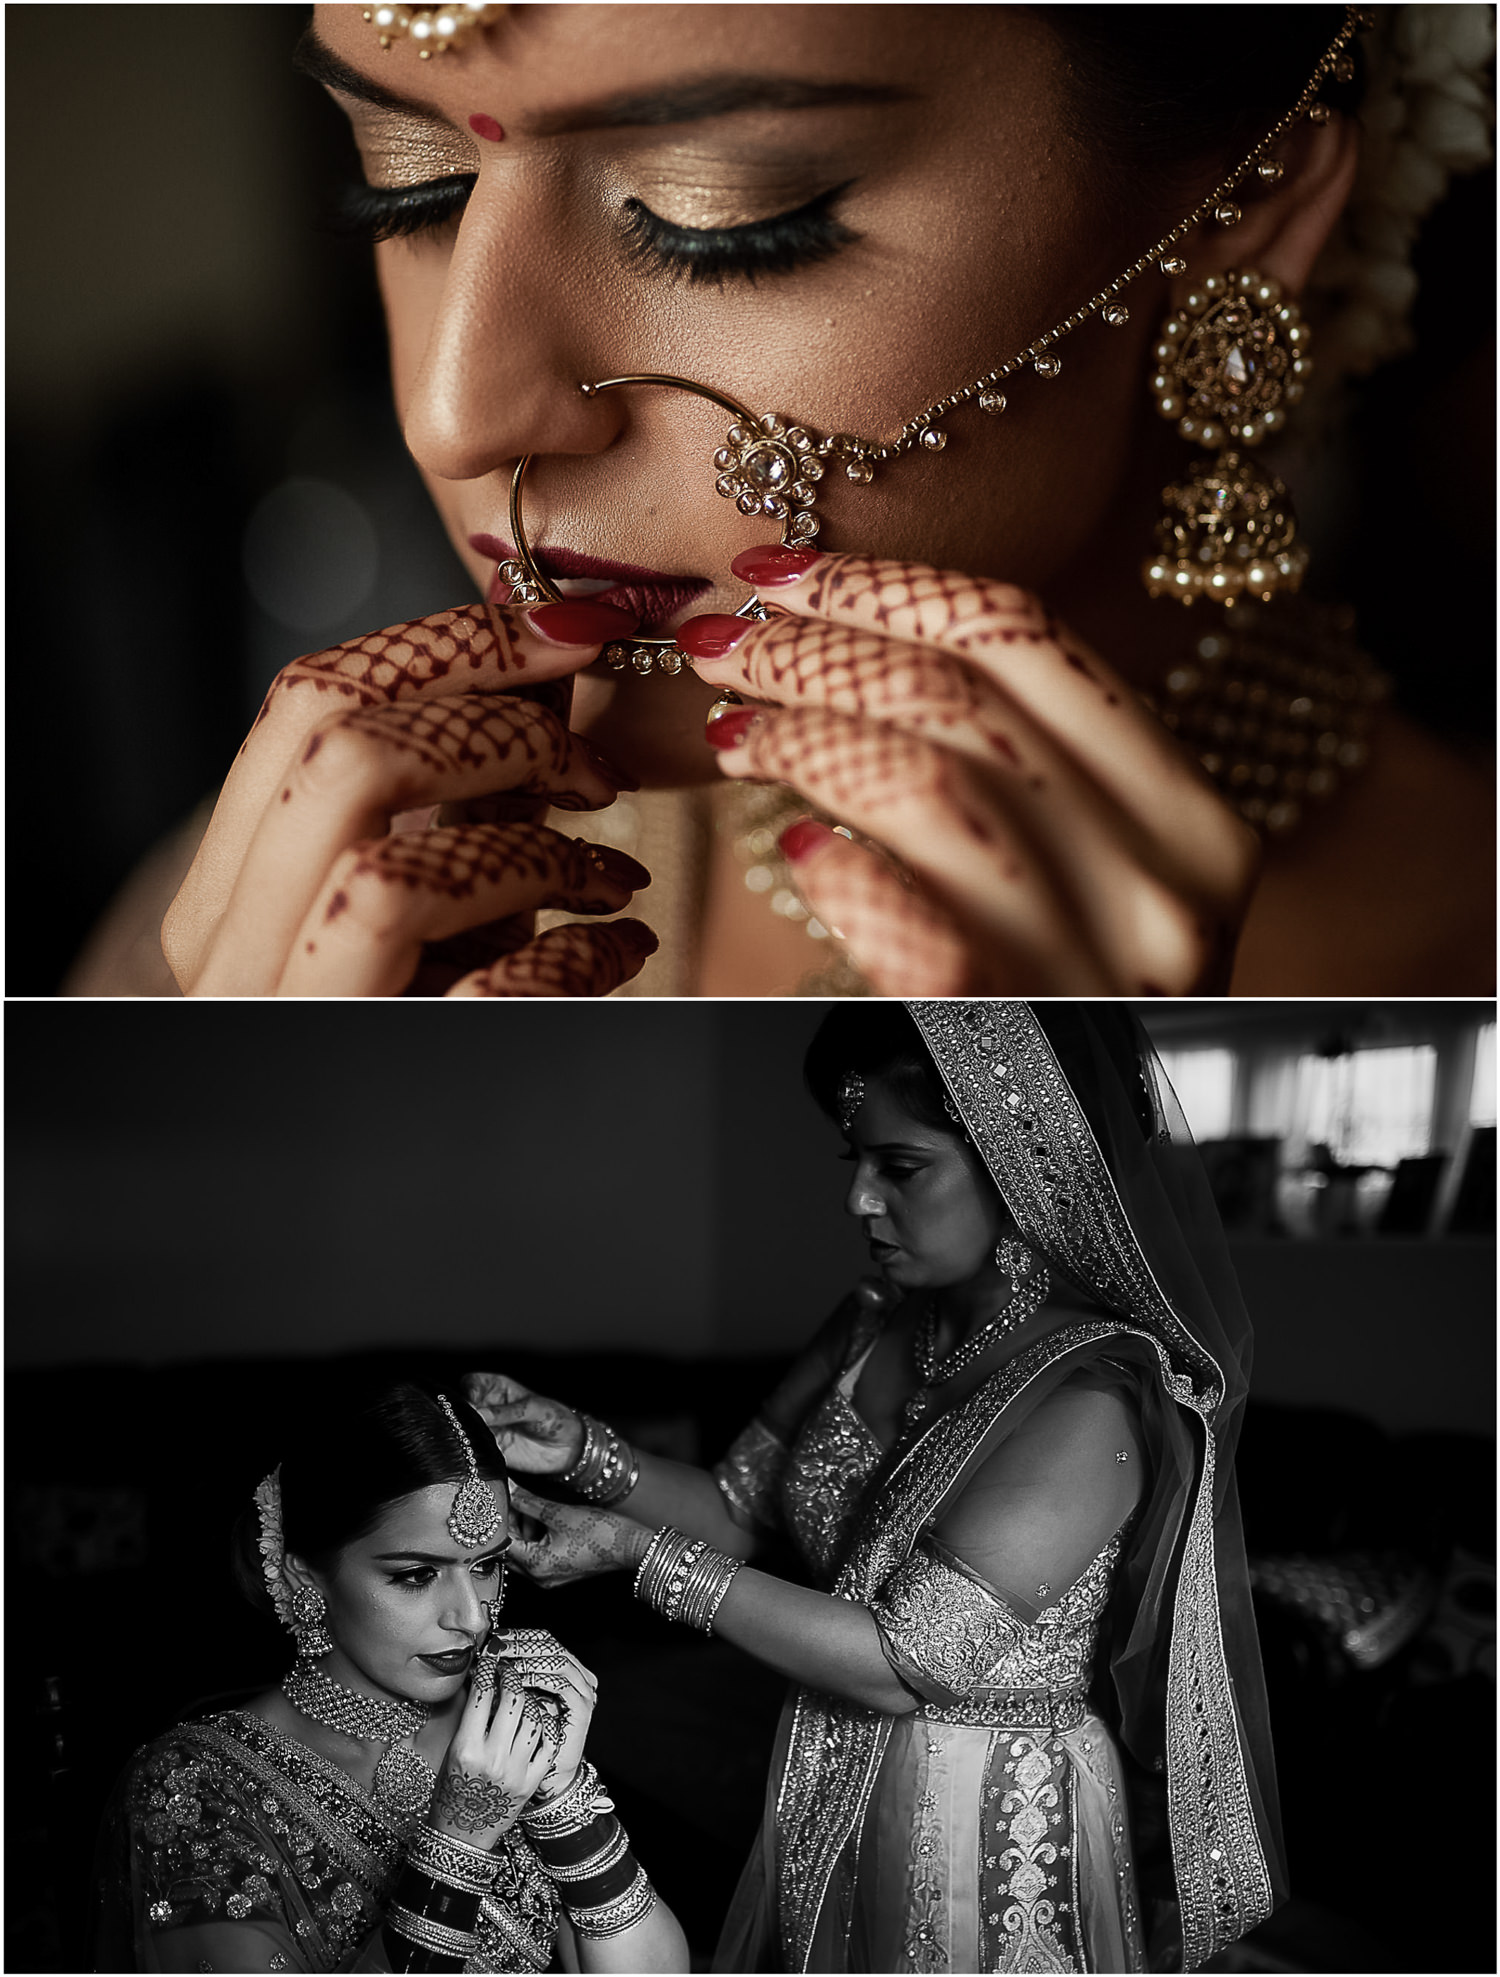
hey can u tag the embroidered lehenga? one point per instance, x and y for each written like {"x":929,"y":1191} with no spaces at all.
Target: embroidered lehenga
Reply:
{"x":230,"y":1846}
{"x":1009,"y":1821}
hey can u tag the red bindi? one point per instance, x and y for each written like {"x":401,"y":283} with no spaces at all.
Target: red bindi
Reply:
{"x":483,"y":126}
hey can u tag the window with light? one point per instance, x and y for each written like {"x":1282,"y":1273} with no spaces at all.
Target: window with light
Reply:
{"x":1371,"y":1108}
{"x":1204,"y":1083}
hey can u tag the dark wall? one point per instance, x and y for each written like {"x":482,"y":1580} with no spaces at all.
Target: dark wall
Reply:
{"x":260,"y":1180}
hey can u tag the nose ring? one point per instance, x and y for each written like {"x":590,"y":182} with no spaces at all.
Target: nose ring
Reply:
{"x":766,"y":466}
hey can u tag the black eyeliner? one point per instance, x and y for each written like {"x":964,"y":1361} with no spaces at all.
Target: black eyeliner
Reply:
{"x":760,"y":247}
{"x":372,"y":213}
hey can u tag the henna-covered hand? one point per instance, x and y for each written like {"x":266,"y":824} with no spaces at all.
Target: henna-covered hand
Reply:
{"x":539,"y":1663}
{"x":556,"y":1543}
{"x":538,"y":1436}
{"x":301,"y":886}
{"x":1027,"y":825}
{"x":497,"y":1758}
{"x":466,"y":1804}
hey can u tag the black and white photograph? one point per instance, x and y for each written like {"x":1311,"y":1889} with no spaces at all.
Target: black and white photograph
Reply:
{"x":914,"y":1548}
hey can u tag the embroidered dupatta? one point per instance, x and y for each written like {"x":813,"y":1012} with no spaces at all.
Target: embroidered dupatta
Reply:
{"x":1093,"y":1160}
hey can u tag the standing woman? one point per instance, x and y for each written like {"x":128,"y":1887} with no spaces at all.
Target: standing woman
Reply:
{"x":1025,"y":1653}
{"x":414,"y":1795}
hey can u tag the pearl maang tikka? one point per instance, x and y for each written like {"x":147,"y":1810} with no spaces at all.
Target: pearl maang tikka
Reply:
{"x":772,"y":465}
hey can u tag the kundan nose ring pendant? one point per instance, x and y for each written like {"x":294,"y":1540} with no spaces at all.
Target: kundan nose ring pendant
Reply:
{"x":766,"y":466}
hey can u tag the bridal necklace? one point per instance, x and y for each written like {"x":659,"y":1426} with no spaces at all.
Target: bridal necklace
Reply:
{"x":404,"y":1780}
{"x":1029,"y":1284}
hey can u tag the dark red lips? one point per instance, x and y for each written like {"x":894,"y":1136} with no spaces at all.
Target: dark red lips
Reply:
{"x":653,"y":597}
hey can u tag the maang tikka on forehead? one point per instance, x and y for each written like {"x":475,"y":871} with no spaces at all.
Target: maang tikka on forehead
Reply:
{"x":433,"y":30}
{"x":476,"y":1516}
{"x":772,"y":465}
{"x":851,"y":1096}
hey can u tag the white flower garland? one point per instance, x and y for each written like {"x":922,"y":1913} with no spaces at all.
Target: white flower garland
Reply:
{"x":273,"y":1544}
{"x":1427,"y":116}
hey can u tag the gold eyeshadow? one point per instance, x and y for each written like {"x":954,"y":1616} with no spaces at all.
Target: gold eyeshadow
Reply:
{"x":399,"y":152}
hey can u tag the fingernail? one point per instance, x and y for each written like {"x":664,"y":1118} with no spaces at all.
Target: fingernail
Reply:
{"x":611,"y":772}
{"x":730,"y":729}
{"x":618,"y":867}
{"x":773,"y":563}
{"x":803,"y":840}
{"x":711,"y":635}
{"x":572,"y":623}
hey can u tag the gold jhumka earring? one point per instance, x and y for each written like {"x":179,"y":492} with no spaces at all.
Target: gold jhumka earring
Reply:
{"x":1232,"y":358}
{"x":772,"y":465}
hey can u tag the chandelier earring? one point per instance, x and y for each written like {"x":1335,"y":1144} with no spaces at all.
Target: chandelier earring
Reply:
{"x":1229,"y":363}
{"x":310,"y":1624}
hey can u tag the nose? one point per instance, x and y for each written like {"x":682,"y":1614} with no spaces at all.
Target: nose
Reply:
{"x":486,"y":351}
{"x":863,"y":1201}
{"x":464,"y":1613}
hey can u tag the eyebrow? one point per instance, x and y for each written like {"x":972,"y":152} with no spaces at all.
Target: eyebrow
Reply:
{"x":438,"y":1558}
{"x":692,"y":102}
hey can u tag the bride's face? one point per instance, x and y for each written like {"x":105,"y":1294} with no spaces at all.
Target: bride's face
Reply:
{"x":929,"y":1211}
{"x":839,"y":213}
{"x":406,"y":1605}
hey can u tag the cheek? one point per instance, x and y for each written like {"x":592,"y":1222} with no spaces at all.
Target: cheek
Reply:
{"x":411,"y":280}
{"x":381,"y":1616}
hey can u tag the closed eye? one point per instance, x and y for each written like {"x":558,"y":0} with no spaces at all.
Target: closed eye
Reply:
{"x":372,"y":212}
{"x":716,"y":254}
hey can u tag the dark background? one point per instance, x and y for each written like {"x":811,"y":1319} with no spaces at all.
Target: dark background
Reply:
{"x":206,"y":476}
{"x":219,"y":1215}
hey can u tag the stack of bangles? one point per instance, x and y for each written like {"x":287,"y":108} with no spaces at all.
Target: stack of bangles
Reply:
{"x":607,"y":1468}
{"x":432,"y":1920}
{"x":586,"y":1850}
{"x":684,"y":1579}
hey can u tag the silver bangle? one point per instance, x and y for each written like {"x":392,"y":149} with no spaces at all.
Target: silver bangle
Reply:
{"x":611,"y":1918}
{"x":615,"y":1848}
{"x":607,"y":1467}
{"x":431,"y":1935}
{"x":455,"y":1863}
{"x":572,"y":1810}
{"x":684,"y":1579}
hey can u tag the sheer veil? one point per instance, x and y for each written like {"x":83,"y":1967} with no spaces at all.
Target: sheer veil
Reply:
{"x":1082,"y":1134}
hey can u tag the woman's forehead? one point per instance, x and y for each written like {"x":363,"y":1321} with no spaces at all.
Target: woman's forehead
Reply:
{"x":606,"y":55}
{"x":883,"y":1119}
{"x":419,"y":1522}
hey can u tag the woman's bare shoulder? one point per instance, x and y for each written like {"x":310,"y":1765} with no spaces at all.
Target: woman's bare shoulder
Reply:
{"x":1393,"y":892}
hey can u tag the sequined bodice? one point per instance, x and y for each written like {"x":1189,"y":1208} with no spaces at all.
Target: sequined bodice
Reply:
{"x":1056,"y":1650}
{"x":832,"y":1459}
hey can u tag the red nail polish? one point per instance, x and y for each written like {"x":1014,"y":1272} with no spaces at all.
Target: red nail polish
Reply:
{"x":803,"y":840}
{"x":576,"y":623}
{"x":730,"y":729}
{"x":711,"y":635}
{"x":773,"y":563}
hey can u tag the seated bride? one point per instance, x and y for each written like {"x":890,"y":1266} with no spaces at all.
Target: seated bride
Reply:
{"x":414,"y":1795}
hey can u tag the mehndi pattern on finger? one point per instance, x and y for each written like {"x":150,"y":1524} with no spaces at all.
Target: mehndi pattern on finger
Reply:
{"x":399,"y":660}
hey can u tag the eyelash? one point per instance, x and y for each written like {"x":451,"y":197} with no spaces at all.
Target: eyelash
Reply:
{"x":761,"y":247}
{"x":890,"y":1171}
{"x":422,"y":1576}
{"x":775,"y":246}
{"x":371,"y":213}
